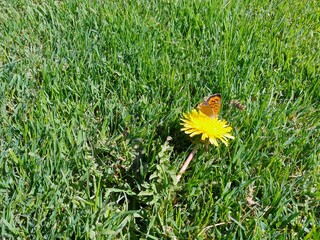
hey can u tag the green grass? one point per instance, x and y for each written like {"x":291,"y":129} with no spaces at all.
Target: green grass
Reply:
{"x":90,"y":91}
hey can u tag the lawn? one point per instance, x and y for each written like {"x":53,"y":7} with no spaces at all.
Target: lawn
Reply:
{"x":91,"y":97}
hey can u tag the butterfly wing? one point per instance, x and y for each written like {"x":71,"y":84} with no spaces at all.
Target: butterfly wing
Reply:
{"x":206,"y":109}
{"x":211,"y":107}
{"x":214,"y":102}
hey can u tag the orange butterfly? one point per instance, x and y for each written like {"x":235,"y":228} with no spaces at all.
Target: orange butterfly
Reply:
{"x":211,"y":107}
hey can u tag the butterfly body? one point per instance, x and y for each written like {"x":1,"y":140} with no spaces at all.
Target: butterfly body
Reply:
{"x":211,"y":106}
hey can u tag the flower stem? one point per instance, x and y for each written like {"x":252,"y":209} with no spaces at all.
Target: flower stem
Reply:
{"x":186,"y":163}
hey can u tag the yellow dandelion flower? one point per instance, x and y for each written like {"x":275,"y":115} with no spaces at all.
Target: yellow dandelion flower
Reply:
{"x":197,"y":123}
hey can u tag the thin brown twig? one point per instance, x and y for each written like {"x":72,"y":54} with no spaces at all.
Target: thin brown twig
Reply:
{"x":186,"y":163}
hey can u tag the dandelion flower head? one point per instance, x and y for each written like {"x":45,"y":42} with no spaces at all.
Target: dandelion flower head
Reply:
{"x":212,"y":129}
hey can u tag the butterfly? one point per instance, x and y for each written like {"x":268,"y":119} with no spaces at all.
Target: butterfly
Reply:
{"x":211,"y":106}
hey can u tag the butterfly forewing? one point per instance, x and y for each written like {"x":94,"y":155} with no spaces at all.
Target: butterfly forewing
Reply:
{"x":215,"y":104}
